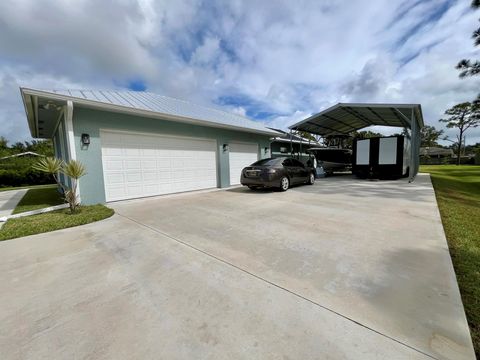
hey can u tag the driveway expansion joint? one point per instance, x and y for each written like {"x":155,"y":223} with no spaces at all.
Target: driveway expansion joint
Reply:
{"x":158,"y":231}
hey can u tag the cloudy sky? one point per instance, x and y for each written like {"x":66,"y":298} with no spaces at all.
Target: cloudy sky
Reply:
{"x":273,"y":61}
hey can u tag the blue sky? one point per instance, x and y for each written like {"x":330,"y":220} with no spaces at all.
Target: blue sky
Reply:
{"x":272,"y":61}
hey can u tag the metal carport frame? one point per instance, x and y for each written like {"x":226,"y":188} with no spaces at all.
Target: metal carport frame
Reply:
{"x":344,"y":118}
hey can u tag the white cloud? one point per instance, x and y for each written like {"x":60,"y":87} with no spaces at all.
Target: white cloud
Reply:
{"x":239,"y":111}
{"x":278,"y":60}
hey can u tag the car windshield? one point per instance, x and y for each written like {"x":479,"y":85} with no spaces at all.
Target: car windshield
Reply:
{"x":267,"y":162}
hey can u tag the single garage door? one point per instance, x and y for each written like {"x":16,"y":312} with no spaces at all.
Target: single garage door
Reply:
{"x":138,"y":165}
{"x":241,"y":155}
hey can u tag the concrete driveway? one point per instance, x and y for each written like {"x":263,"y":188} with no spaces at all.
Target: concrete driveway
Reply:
{"x":9,"y":200}
{"x":344,"y":269}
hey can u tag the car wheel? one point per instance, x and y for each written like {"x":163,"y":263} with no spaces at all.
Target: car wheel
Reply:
{"x":311,"y":179}
{"x":284,"y":183}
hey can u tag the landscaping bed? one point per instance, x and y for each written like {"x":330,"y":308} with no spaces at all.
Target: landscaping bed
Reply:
{"x":39,"y":198}
{"x":54,"y":220}
{"x":457,"y":189}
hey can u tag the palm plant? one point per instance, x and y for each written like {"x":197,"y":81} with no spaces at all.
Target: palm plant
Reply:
{"x":73,"y":169}
{"x":52,"y":166}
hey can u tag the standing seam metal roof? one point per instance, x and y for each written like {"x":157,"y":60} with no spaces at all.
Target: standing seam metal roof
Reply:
{"x":344,"y":118}
{"x":162,"y":105}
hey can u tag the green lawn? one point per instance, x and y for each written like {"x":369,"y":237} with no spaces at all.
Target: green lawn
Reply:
{"x":54,"y":220}
{"x":457,"y":189}
{"x":39,"y":198}
{"x":26,"y":187}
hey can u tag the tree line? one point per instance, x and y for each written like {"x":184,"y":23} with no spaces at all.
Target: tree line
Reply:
{"x":19,"y":171}
{"x":466,"y":115}
{"x":41,"y":147}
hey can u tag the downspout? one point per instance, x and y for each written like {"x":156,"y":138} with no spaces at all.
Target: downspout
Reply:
{"x":72,"y":153}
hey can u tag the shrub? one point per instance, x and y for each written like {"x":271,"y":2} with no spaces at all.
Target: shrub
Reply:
{"x":23,"y":177}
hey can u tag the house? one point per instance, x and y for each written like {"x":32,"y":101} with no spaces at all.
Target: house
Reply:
{"x":286,"y":143}
{"x":436,"y":152}
{"x":137,"y":144}
{"x":23,"y":154}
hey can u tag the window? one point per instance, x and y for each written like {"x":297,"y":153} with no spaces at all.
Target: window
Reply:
{"x":297,"y":163}
{"x":267,"y":162}
{"x":283,"y":150}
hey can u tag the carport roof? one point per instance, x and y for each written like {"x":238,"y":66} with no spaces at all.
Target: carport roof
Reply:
{"x":44,"y":107}
{"x":344,"y":118}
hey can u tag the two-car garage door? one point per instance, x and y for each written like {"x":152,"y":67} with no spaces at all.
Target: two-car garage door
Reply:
{"x":138,"y":165}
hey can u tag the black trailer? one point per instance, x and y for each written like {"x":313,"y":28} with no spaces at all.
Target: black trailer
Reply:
{"x":381,"y":157}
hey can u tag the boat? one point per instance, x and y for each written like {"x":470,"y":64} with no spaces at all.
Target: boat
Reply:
{"x":332,"y":159}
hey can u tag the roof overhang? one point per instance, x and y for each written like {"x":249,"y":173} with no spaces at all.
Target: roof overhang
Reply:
{"x":43,"y":109}
{"x":344,"y":118}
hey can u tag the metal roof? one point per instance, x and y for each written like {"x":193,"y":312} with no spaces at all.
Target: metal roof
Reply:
{"x":146,"y":104}
{"x":26,"y":153}
{"x":287,"y":137}
{"x":345,"y":118}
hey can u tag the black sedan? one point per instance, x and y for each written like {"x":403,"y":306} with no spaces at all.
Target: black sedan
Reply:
{"x":281,"y":172}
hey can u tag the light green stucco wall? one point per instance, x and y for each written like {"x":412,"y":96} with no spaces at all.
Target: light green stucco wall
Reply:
{"x":90,"y":121}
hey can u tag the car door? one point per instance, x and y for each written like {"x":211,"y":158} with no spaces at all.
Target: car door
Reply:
{"x":301,"y":172}
{"x":290,"y":169}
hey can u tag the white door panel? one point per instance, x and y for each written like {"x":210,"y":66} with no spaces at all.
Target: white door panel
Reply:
{"x":363,"y":152}
{"x":138,"y":165}
{"x":387,"y":152}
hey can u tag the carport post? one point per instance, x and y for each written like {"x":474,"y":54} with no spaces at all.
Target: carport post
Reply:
{"x":414,"y":147}
{"x":300,"y":154}
{"x":291,"y":146}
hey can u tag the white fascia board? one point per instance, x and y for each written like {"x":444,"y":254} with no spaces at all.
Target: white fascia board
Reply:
{"x":141,"y":112}
{"x":29,"y":112}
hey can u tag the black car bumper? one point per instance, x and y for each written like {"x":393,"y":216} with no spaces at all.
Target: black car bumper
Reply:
{"x":266,"y":181}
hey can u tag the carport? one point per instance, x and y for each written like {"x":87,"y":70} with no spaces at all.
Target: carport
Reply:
{"x":344,"y":118}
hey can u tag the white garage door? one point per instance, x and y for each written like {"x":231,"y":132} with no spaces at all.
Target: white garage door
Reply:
{"x":138,"y":165}
{"x":241,"y":155}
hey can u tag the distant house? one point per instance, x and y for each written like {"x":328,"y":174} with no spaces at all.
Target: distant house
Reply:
{"x":287,"y":144}
{"x":27,"y":153}
{"x":436,"y":152}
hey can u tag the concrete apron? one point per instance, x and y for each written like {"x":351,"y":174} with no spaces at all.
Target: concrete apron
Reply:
{"x":371,"y":252}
